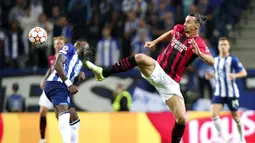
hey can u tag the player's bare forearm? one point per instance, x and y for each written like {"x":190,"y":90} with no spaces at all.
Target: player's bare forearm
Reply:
{"x":208,"y":59}
{"x":164,"y":37}
{"x":241,"y":74}
{"x":58,"y":66}
{"x":46,"y":75}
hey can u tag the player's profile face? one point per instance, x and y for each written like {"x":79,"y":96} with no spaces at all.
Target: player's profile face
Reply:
{"x":58,"y":44}
{"x":190,"y":23}
{"x":223,"y":46}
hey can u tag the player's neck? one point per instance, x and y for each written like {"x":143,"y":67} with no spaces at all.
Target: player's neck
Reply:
{"x":193,"y":34}
{"x":224,"y":55}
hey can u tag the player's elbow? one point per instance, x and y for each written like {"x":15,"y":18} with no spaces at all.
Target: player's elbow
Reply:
{"x":210,"y":62}
{"x":244,"y":73}
{"x":57,"y":66}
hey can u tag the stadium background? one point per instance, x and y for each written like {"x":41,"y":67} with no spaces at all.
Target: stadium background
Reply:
{"x":130,"y":22}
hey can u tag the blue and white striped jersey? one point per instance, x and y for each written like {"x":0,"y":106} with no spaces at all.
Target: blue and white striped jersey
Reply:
{"x":225,"y":87}
{"x":72,"y":66}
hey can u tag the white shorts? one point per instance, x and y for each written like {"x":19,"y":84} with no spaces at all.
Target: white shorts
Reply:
{"x":165,"y":85}
{"x":44,"y":101}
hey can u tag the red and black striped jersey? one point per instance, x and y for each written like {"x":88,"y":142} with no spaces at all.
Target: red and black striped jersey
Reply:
{"x":51,"y":62}
{"x":178,"y":54}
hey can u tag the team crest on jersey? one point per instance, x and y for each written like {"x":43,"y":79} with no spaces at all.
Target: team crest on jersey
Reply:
{"x":65,"y":48}
{"x":178,"y":45}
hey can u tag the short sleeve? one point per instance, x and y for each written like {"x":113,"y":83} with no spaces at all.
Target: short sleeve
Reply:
{"x":66,"y":50}
{"x":237,"y":65}
{"x":178,"y":28}
{"x":203,"y":47}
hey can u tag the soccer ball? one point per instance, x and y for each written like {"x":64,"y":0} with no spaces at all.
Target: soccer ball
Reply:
{"x":37,"y":36}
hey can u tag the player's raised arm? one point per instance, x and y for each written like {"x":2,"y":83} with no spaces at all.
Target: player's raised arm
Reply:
{"x":203,"y":52}
{"x":58,"y":66}
{"x":44,"y":78}
{"x":164,"y":37}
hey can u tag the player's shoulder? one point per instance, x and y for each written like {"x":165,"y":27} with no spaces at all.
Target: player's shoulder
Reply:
{"x":234,"y":58}
{"x":52,"y":56}
{"x":178,"y":27}
{"x":68,"y":47}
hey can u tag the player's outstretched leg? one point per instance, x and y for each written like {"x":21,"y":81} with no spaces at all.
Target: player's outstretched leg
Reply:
{"x":177,"y":106}
{"x":240,"y":127}
{"x":64,"y":122}
{"x":216,"y":109}
{"x":43,"y":123}
{"x":75,"y":125}
{"x":144,"y":62}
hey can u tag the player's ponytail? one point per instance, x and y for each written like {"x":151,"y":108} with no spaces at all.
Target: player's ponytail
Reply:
{"x":201,"y":19}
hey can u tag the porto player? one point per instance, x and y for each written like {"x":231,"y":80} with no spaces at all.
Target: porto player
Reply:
{"x":165,"y":74}
{"x":59,"y":87}
{"x":227,"y":68}
{"x":44,"y":102}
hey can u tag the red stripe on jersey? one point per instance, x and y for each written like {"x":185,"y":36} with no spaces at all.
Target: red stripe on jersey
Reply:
{"x":128,"y":63}
{"x":167,"y":55}
{"x":179,"y":57}
{"x":190,"y":57}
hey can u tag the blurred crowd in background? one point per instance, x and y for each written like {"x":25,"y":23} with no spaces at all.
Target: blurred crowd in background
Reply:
{"x":114,"y":28}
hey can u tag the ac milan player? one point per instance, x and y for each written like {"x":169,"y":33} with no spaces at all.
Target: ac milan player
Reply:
{"x":165,"y":73}
{"x":44,"y":102}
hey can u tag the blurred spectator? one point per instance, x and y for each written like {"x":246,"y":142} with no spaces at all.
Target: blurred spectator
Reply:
{"x":15,"y":102}
{"x":106,"y":11}
{"x":3,"y":47}
{"x":108,"y":51}
{"x":138,"y":6}
{"x":142,"y":35}
{"x":122,"y":99}
{"x":55,"y":14}
{"x":80,"y":14}
{"x":66,"y":29}
{"x":27,"y":23}
{"x":187,"y":5}
{"x":17,"y":12}
{"x":131,"y":26}
{"x":36,"y":7}
{"x":138,"y":43}
{"x":15,"y":45}
{"x":95,"y":29}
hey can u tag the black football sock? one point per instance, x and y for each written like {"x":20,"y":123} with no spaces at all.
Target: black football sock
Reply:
{"x":177,"y":132}
{"x":43,"y":123}
{"x":122,"y":66}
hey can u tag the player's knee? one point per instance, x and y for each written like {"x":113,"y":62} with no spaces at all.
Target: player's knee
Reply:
{"x":214,"y":114}
{"x":236,"y":117}
{"x":43,"y":111}
{"x":140,"y":58}
{"x":181,"y":119}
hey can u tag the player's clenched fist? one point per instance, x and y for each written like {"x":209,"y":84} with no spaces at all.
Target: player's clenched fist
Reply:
{"x":149,"y":44}
{"x":73,"y":89}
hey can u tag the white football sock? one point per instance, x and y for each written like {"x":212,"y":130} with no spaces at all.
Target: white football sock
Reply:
{"x":75,"y":131}
{"x":217,"y":124}
{"x":240,"y":128}
{"x":64,"y":126}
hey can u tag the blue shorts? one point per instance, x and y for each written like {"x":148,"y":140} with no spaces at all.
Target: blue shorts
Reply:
{"x":58,"y":93}
{"x":232,"y":103}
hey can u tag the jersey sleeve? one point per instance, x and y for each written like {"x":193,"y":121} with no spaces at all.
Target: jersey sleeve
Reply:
{"x":178,"y":28}
{"x":66,"y":50}
{"x":203,"y":47}
{"x":237,"y":65}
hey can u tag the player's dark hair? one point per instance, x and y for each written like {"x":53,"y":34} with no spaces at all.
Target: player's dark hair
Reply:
{"x":201,"y":19}
{"x":15,"y":87}
{"x":223,"y":38}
